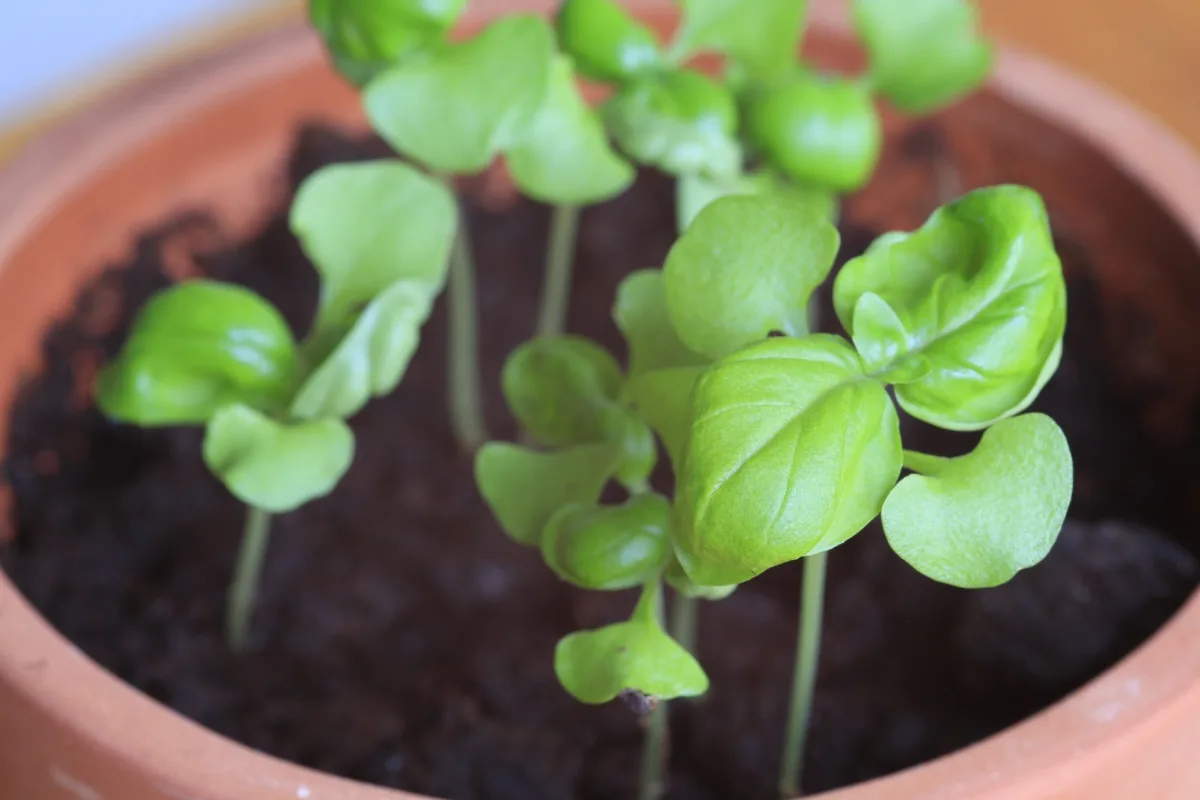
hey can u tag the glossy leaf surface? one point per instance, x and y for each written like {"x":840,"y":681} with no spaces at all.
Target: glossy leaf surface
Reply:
{"x":194,"y":348}
{"x":605,"y":41}
{"x":792,"y":451}
{"x":977,"y":520}
{"x":978,"y":308}
{"x":695,"y":192}
{"x":762,"y":36}
{"x":744,"y":269}
{"x":607,"y":547}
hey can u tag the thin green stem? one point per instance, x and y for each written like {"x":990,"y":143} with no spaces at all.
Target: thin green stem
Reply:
{"x":466,"y":403}
{"x":654,"y":748}
{"x":243,"y":590}
{"x":804,"y":679}
{"x":684,"y":612}
{"x":560,"y":258}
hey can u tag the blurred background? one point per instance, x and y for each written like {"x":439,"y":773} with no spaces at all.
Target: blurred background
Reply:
{"x":55,"y":54}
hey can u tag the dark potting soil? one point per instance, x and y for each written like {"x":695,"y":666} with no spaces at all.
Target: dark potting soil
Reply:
{"x":401,"y":639}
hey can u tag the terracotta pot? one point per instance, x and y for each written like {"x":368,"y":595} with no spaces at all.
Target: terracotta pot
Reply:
{"x":213,"y":134}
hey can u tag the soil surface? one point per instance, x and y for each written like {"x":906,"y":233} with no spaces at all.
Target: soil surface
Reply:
{"x":401,"y":639}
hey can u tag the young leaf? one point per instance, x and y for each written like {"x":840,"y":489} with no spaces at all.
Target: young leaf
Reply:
{"x":565,"y":157}
{"x":525,"y":488}
{"x":605,"y":42}
{"x":976,"y":520}
{"x":641,"y":315}
{"x":695,"y":192}
{"x":273,"y":465}
{"x":924,"y":53}
{"x":980,"y":296}
{"x":365,"y":226}
{"x":564,"y":391}
{"x":762,"y":36}
{"x":744,"y":269}
{"x":607,"y":548}
{"x":663,"y":398}
{"x":194,"y":348}
{"x":371,"y":359}
{"x":819,"y":131}
{"x":456,"y":111}
{"x":365,"y":36}
{"x":678,"y":121}
{"x":596,"y":666}
{"x":792,"y":451}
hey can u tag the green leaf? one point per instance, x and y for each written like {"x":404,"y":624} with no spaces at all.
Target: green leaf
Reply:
{"x":456,"y":111}
{"x":596,"y":666}
{"x":566,"y":158}
{"x":663,"y":398}
{"x":365,"y":36}
{"x":678,"y":121}
{"x":366,"y":226}
{"x":564,"y":391}
{"x":792,"y":451}
{"x":371,"y":359}
{"x":762,"y":36}
{"x":817,"y":130}
{"x":744,"y":269}
{"x":607,"y":548}
{"x":695,"y":192}
{"x":605,"y":42}
{"x":525,"y":488}
{"x":924,"y":53}
{"x":976,"y":520}
{"x":194,"y":348}
{"x":641,"y":315}
{"x":979,"y":294}
{"x":273,"y":465}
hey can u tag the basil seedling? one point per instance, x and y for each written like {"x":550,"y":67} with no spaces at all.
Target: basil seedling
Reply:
{"x":793,"y":443}
{"x":274,"y":409}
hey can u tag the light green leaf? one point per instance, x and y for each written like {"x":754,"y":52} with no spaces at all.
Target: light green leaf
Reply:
{"x":371,"y":359}
{"x":565,"y":157}
{"x":273,"y":465}
{"x":762,"y":36}
{"x":641,"y":315}
{"x":979,"y":291}
{"x":678,"y":121}
{"x":525,"y":488}
{"x":194,"y":348}
{"x":366,"y":226}
{"x":695,"y":192}
{"x":605,"y":41}
{"x":924,"y":53}
{"x":596,"y":666}
{"x":792,"y":451}
{"x":819,"y":131}
{"x":456,"y":111}
{"x":365,"y":36}
{"x":976,"y":520}
{"x":744,"y":269}
{"x":678,"y":580}
{"x":663,"y":398}
{"x":608,"y":548}
{"x":564,"y":391}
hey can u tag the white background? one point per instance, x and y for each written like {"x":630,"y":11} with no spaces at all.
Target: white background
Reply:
{"x":48,"y":46}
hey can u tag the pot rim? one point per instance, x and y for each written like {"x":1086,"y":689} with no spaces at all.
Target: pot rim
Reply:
{"x":1106,"y":716}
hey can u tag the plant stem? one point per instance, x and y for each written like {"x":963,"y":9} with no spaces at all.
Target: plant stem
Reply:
{"x":466,"y":403}
{"x":253,"y":550}
{"x":560,"y":257}
{"x":808,"y":649}
{"x":654,"y":748}
{"x":683,"y":621}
